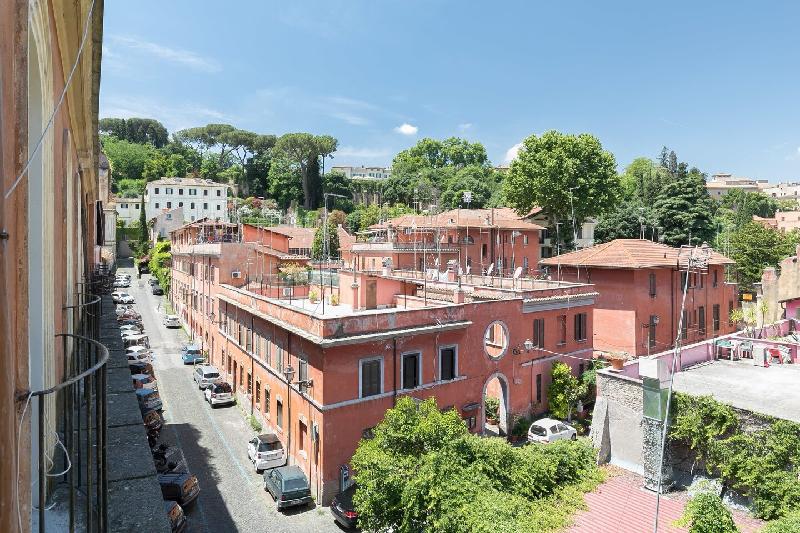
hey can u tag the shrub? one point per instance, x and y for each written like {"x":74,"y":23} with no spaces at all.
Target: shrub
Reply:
{"x":492,"y":407}
{"x":705,"y":513}
{"x":788,"y":524}
{"x":254,"y":423}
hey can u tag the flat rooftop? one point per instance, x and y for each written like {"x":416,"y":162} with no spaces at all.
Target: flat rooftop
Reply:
{"x":772,"y":391}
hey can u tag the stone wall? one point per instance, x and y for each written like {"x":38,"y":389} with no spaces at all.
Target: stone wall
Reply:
{"x":617,"y":421}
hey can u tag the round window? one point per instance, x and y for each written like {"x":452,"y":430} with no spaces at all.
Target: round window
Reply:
{"x":495,"y":340}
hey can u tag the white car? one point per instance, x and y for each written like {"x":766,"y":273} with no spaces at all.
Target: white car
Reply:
{"x":205,"y":376}
{"x":123,"y":308}
{"x":128,"y":333}
{"x":139,"y":354}
{"x":266,"y":451}
{"x":121,"y":284}
{"x":122,"y":298}
{"x":219,"y":394}
{"x":139,"y":350}
{"x":172,"y":321}
{"x":549,"y":430}
{"x":130,"y":327}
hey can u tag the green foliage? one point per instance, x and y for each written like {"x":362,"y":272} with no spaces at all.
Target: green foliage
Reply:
{"x":763,"y":464}
{"x":364,"y":216}
{"x":788,"y":524}
{"x":127,"y":158}
{"x":163,"y":166}
{"x":705,"y":513}
{"x":624,"y":222}
{"x":135,"y":130}
{"x":743,"y":205}
{"x":318,"y":246}
{"x":337,"y":183}
{"x":684,"y":209}
{"x":303,"y":151}
{"x":424,"y":471}
{"x":492,"y":407}
{"x":754,"y":247}
{"x":552,"y":169}
{"x":698,"y":420}
{"x":161,"y":263}
{"x":254,"y":423}
{"x":127,"y":188}
{"x":144,"y":234}
{"x":565,"y":391}
{"x":284,"y":183}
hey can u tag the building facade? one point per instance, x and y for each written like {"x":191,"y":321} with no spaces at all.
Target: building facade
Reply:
{"x":320,"y":364}
{"x":478,"y":241}
{"x":199,"y":198}
{"x":640,"y":285}
{"x":719,"y":185}
{"x":377,"y":173}
{"x":51,"y":222}
{"x":128,"y":209}
{"x":782,"y":221}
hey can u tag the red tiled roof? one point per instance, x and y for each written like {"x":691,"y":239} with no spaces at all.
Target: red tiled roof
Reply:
{"x":628,"y":253}
{"x":301,"y":237}
{"x":501,"y":217}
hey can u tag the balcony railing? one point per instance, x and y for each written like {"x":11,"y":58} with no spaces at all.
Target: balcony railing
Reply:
{"x":79,"y":404}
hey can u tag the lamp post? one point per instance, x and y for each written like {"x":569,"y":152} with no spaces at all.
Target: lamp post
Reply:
{"x":574,"y":228}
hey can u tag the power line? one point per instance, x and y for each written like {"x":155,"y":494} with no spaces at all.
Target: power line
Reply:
{"x":58,"y":105}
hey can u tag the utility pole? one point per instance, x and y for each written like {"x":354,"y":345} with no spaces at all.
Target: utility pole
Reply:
{"x":574,"y":226}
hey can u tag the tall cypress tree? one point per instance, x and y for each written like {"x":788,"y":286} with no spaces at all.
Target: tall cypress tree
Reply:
{"x":144,"y":237}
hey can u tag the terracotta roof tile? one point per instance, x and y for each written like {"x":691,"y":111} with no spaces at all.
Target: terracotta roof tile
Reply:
{"x":301,"y":237}
{"x":627,"y":253}
{"x":501,"y":217}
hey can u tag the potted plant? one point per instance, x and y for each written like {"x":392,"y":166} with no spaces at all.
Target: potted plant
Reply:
{"x":334,"y":299}
{"x":519,"y":431}
{"x":492,"y":407}
{"x":618,"y":360}
{"x":313,"y":296}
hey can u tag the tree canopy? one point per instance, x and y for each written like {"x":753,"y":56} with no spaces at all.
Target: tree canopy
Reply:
{"x":684,"y":211}
{"x":754,"y":247}
{"x":424,"y":471}
{"x":318,"y":246}
{"x":304,"y":151}
{"x":556,"y":171}
{"x":136,"y":130}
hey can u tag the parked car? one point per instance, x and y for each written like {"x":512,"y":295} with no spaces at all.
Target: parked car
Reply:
{"x":219,"y":393}
{"x":144,"y":381}
{"x":140,"y":367}
{"x":342,"y":508}
{"x":153,"y":421}
{"x":157,"y":290}
{"x":177,"y":520}
{"x":149,"y":399}
{"x":122,"y":298}
{"x":121,"y":284}
{"x":288,"y":486}
{"x":172,"y":321}
{"x":205,"y":376}
{"x":181,"y":487}
{"x":153,"y":281}
{"x":266,"y":451}
{"x":130,"y":320}
{"x":549,"y":430}
{"x":139,"y":353}
{"x":122,"y":308}
{"x":132,"y":328}
{"x":136,"y":340}
{"x":192,"y":354}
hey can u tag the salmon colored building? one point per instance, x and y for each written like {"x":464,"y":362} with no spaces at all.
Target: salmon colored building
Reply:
{"x":321,"y":372}
{"x":640,"y":286}
{"x":474,"y":239}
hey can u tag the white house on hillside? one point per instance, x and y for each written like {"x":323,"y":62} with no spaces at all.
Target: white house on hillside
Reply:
{"x":199,"y":198}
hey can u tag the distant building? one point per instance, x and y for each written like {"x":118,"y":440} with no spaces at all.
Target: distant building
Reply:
{"x":782,"y":221}
{"x":128,"y":209}
{"x":784,"y":191}
{"x":108,"y":252}
{"x":584,"y":236}
{"x":719,"y":185}
{"x":377,"y":173}
{"x":641,"y":285}
{"x":164,"y":223}
{"x":199,"y":198}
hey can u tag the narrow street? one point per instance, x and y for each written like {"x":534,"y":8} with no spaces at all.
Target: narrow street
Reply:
{"x":214,"y":442}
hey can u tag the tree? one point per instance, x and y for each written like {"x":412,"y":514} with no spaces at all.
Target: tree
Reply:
{"x":643,"y":180}
{"x":136,"y":130}
{"x":318,"y":246}
{"x":557,"y":171}
{"x":481,"y":182}
{"x":144,"y":236}
{"x":754,"y":247}
{"x":304,"y":150}
{"x":160,"y":166}
{"x":336,"y":182}
{"x":565,"y":391}
{"x":284,"y":183}
{"x":684,"y":211}
{"x":624,"y":222}
{"x":127,"y":158}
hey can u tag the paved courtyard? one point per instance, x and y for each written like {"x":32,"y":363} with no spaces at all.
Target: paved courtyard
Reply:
{"x":773,"y":391}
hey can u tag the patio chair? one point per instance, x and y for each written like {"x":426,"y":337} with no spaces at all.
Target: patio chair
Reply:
{"x":746,"y":349}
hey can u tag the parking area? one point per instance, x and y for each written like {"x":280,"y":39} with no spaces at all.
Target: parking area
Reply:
{"x":213,"y":441}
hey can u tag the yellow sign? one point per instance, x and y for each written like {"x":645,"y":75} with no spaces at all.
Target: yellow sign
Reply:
{"x":747,"y":297}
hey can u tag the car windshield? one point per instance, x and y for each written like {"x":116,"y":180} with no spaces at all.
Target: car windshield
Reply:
{"x":269,"y":446}
{"x":294,"y":484}
{"x":211,"y":375}
{"x":193,"y":351}
{"x":222,"y":387}
{"x":539,"y":430}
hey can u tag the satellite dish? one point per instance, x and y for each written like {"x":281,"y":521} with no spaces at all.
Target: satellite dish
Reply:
{"x":490,"y":270}
{"x":517,"y":272}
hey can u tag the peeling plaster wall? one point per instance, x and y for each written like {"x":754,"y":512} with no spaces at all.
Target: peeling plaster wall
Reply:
{"x":617,"y":424}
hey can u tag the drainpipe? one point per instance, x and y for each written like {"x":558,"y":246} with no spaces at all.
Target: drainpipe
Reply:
{"x":673,"y":335}
{"x":252,"y":367}
{"x":394,"y":371}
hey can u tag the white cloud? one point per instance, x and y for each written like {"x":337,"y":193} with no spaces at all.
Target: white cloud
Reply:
{"x":350,"y":118}
{"x":465,"y":126}
{"x":512,"y":152}
{"x":174,"y":117}
{"x":362,"y":153}
{"x":173,"y":55}
{"x":406,"y":129}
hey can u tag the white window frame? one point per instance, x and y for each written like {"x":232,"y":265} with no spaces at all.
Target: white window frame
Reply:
{"x":421,"y":382}
{"x":361,"y":376}
{"x":455,"y":360}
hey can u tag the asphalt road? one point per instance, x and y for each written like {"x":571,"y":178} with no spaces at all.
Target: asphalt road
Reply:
{"x":214,"y":442}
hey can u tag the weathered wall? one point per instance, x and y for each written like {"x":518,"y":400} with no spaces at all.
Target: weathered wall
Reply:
{"x":617,"y":422}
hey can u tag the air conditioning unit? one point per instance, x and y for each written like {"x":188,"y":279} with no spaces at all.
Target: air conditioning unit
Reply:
{"x":236,"y":274}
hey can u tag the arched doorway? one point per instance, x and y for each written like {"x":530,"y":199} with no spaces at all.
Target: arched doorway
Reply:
{"x":495,"y":397}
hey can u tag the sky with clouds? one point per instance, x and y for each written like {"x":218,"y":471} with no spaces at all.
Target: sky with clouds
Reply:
{"x":715,"y":81}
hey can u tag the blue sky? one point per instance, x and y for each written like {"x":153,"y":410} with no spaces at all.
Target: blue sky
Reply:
{"x":715,"y":81}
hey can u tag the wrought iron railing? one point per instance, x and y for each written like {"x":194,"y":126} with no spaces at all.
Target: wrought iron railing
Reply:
{"x":79,"y":402}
